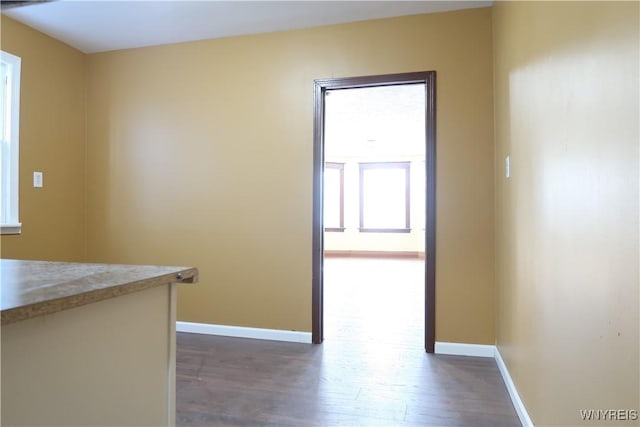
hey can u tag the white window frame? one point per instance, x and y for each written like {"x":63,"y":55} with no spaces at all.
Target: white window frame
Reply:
{"x":9,"y":164}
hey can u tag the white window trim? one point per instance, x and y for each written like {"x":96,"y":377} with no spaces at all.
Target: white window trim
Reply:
{"x":12,"y":224}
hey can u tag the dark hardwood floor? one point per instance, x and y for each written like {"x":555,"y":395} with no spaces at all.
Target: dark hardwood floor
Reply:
{"x":370,"y":371}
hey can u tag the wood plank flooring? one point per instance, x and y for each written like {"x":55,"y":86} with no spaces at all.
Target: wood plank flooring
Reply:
{"x":360,"y":376}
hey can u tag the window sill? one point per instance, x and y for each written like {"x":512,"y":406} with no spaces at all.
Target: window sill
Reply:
{"x":10,"y":229}
{"x":385,"y":230}
{"x":335,"y":229}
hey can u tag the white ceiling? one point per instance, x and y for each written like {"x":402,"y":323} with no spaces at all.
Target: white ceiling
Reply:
{"x":97,"y":26}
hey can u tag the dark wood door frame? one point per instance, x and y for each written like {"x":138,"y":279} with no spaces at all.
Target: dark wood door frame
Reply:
{"x":320,"y":89}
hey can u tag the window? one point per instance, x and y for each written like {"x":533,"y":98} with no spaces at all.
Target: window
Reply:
{"x":10,"y":112}
{"x":334,"y":196}
{"x":384,"y":197}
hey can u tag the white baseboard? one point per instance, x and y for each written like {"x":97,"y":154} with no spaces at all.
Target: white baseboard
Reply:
{"x":461,"y":349}
{"x":244,"y":332}
{"x":511,"y":388}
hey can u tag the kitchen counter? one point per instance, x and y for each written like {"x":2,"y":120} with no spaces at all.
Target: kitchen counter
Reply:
{"x":36,"y":288}
{"x":88,"y":344}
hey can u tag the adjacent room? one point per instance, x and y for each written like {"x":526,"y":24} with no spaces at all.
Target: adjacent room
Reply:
{"x":476,"y":264}
{"x":374,"y":213}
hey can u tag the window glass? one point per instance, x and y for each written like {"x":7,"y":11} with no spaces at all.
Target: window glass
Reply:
{"x":384,"y":196}
{"x":333,"y":196}
{"x":9,"y":127}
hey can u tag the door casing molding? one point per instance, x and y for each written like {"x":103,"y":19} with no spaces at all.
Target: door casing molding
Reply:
{"x":320,"y":88}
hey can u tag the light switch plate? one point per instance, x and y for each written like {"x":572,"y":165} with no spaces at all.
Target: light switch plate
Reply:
{"x":507,"y":167}
{"x":37,"y":179}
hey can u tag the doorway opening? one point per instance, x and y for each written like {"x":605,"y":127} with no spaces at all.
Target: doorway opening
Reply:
{"x":395,"y":184}
{"x":374,"y":148}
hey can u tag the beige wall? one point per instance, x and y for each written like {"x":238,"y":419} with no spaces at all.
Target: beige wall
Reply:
{"x":52,"y":138}
{"x":201,"y":154}
{"x":566,"y":80}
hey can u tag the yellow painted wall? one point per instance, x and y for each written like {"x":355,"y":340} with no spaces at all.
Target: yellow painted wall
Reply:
{"x":52,"y":138}
{"x":200,"y":154}
{"x":566,"y":81}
